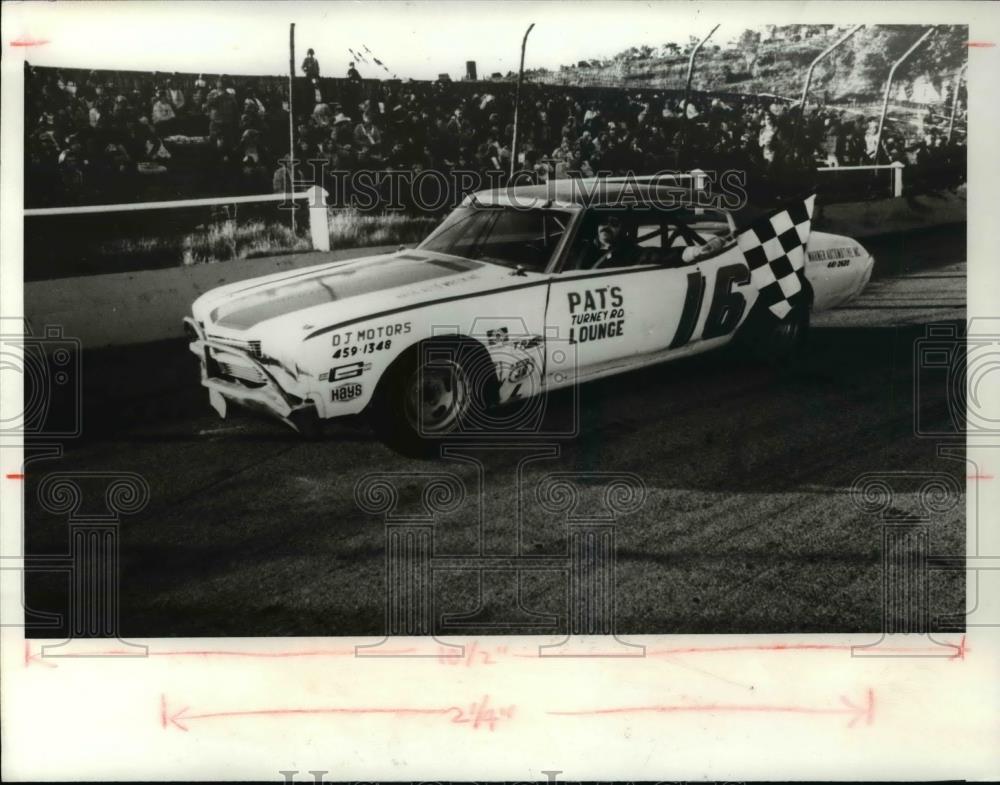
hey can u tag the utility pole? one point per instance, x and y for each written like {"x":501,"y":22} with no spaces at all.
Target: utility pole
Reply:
{"x":954,"y":99}
{"x":517,"y":102}
{"x":812,"y":66}
{"x":690,"y":73}
{"x":888,"y":87}
{"x":291,"y":117}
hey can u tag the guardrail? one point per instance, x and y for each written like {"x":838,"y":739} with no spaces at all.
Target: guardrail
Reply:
{"x":896,"y":166}
{"x":319,"y":228}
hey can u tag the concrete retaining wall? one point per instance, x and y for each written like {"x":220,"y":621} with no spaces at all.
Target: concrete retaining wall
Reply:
{"x":139,"y":307}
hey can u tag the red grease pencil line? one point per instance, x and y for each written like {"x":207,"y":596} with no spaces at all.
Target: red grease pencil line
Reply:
{"x":866,"y":711}
{"x":961,"y":649}
{"x":479,"y":713}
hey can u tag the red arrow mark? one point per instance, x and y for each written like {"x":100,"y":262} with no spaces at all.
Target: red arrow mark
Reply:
{"x":479,"y":714}
{"x":30,"y":657}
{"x":857,"y":713}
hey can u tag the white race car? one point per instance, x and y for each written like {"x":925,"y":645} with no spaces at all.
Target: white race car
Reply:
{"x":518,"y":292}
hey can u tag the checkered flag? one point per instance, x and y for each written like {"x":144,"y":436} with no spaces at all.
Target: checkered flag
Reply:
{"x":775,"y":247}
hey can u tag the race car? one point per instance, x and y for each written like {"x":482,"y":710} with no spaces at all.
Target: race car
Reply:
{"x":518,"y":292}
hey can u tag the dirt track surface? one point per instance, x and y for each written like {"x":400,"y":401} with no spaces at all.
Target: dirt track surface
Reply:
{"x":748,"y":526}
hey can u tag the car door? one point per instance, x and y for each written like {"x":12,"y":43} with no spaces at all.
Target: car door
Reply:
{"x":717,"y":298}
{"x":614,"y":318}
{"x":609,"y":317}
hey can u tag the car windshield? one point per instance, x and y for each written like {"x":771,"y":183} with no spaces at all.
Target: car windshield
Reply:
{"x":502,"y":235}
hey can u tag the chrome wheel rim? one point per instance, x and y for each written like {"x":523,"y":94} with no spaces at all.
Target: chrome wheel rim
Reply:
{"x":436,"y":396}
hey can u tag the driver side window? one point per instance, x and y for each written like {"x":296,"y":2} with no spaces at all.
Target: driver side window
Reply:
{"x":606,"y":240}
{"x":610,"y":239}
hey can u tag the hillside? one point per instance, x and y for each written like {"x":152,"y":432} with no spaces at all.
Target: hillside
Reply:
{"x":775,"y":60}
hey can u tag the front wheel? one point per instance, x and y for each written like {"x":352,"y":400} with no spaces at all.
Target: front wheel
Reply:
{"x":432,"y":393}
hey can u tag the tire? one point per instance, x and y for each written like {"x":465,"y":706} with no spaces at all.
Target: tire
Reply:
{"x":436,"y":391}
{"x":777,"y":342}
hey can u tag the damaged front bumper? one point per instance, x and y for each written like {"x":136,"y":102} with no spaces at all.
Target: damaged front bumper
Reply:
{"x":233,"y":375}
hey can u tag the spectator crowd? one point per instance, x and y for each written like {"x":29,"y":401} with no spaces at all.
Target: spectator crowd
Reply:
{"x":118,"y":137}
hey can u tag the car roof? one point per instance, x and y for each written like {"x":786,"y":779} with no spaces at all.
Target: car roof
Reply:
{"x":664,"y":190}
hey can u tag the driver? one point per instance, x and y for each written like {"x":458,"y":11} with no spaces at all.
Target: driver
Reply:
{"x":610,"y":248}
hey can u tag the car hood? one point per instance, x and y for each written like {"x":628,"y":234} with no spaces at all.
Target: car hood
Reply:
{"x":316,"y":297}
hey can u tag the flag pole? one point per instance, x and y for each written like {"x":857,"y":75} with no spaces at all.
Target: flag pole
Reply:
{"x":291,"y":116}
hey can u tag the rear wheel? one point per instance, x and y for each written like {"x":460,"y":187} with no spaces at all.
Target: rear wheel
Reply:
{"x":777,"y":342}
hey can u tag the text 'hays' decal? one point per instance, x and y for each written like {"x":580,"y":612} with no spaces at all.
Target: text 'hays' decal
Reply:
{"x":596,"y":314}
{"x":347,"y":392}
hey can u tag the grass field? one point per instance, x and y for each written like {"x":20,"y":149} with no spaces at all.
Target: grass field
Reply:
{"x":130,"y":243}
{"x":350,"y":228}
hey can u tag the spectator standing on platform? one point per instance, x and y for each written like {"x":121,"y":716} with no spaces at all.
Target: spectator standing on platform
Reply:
{"x":310,"y":66}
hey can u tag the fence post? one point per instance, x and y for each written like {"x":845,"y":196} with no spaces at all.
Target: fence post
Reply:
{"x":319,"y":227}
{"x":897,"y":178}
{"x":699,"y":179}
